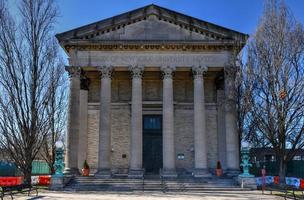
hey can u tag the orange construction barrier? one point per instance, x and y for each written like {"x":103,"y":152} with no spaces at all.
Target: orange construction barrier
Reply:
{"x":44,"y":180}
{"x":10,"y":181}
{"x":19,"y":180}
{"x":302,"y":183}
{"x":276,"y":180}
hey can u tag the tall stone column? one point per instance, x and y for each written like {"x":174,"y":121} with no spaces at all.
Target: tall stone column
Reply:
{"x":136,"y":123}
{"x":221,"y":128}
{"x":71,"y":161}
{"x":104,"y":158}
{"x":83,"y":120}
{"x":168,"y":123}
{"x":200,"y":135}
{"x":232,"y":139}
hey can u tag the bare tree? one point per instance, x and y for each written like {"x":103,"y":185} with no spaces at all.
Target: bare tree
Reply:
{"x":56,"y":111}
{"x":27,"y":56}
{"x":273,"y":84}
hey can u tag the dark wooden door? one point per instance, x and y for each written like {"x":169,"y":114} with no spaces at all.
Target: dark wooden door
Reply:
{"x":152,"y":143}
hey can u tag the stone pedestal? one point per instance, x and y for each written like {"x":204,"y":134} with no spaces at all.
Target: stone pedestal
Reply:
{"x":58,"y":182}
{"x":247,"y":182}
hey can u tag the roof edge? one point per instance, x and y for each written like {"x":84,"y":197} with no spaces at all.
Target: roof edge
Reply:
{"x":151,"y":9}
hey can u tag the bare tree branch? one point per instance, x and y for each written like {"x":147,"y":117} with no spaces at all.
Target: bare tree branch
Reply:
{"x":273,"y":83}
{"x":30,"y":75}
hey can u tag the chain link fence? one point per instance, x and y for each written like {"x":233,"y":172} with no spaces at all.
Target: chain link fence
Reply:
{"x":295,"y":168}
{"x":10,"y":169}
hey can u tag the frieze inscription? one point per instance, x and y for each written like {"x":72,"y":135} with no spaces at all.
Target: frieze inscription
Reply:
{"x":131,"y":59}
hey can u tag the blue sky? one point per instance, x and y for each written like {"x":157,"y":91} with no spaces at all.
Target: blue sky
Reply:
{"x":240,"y":15}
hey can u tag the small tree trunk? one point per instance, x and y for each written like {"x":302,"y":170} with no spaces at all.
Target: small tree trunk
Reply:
{"x":27,"y":175}
{"x":52,"y":170}
{"x":282,"y":170}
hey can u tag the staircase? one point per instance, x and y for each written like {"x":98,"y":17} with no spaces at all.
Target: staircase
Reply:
{"x":92,"y":183}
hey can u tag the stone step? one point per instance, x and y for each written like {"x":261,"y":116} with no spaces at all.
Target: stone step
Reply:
{"x":174,"y":185}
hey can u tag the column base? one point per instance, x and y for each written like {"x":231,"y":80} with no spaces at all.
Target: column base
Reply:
{"x":71,"y":171}
{"x":201,"y":173}
{"x":103,"y":173}
{"x":136,"y":173}
{"x":57,"y":183}
{"x":168,"y":173}
{"x":232,"y":172}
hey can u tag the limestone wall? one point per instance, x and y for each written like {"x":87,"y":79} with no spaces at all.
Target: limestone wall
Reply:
{"x":120,"y":136}
{"x":212,"y":136}
{"x":183,"y":129}
{"x":93,"y":137}
{"x":152,"y":91}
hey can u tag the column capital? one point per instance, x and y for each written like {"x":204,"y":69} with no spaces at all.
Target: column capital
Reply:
{"x":105,"y":71}
{"x":84,"y":82}
{"x":73,"y":71}
{"x":136,"y":71}
{"x":229,"y":79}
{"x":167,"y":71}
{"x":198,"y":71}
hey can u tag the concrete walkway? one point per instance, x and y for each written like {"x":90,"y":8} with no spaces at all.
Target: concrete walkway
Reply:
{"x":232,"y":195}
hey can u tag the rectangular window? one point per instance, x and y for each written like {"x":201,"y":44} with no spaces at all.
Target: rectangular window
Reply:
{"x":152,"y":122}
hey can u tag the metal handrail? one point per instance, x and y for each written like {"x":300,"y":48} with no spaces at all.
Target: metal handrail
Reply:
{"x":162,"y":181}
{"x":143,"y":181}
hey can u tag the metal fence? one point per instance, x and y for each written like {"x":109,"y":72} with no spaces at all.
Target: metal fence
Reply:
{"x":7,"y":169}
{"x":295,"y":168}
{"x":10,"y":169}
{"x":40,"y":167}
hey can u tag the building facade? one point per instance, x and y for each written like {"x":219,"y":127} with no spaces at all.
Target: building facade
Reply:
{"x":151,"y":91}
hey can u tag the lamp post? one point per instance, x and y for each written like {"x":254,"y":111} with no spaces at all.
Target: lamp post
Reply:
{"x":59,"y":164}
{"x":245,"y":160}
{"x":246,"y":179}
{"x":58,"y":179}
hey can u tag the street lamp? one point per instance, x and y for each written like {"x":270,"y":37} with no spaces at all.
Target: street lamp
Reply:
{"x":59,"y":165}
{"x":245,"y":160}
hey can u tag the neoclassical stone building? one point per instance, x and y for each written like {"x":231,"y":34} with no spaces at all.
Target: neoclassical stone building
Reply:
{"x":151,"y":91}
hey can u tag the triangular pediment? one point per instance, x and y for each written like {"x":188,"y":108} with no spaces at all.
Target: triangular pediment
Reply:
{"x":151,"y":23}
{"x":151,"y":29}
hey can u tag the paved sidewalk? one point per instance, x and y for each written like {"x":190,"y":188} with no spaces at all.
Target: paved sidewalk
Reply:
{"x":230,"y":195}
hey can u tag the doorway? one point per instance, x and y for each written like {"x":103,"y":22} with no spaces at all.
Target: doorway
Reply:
{"x":152,"y":143}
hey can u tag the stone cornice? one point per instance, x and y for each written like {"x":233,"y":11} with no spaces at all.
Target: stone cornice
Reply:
{"x":197,"y":46}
